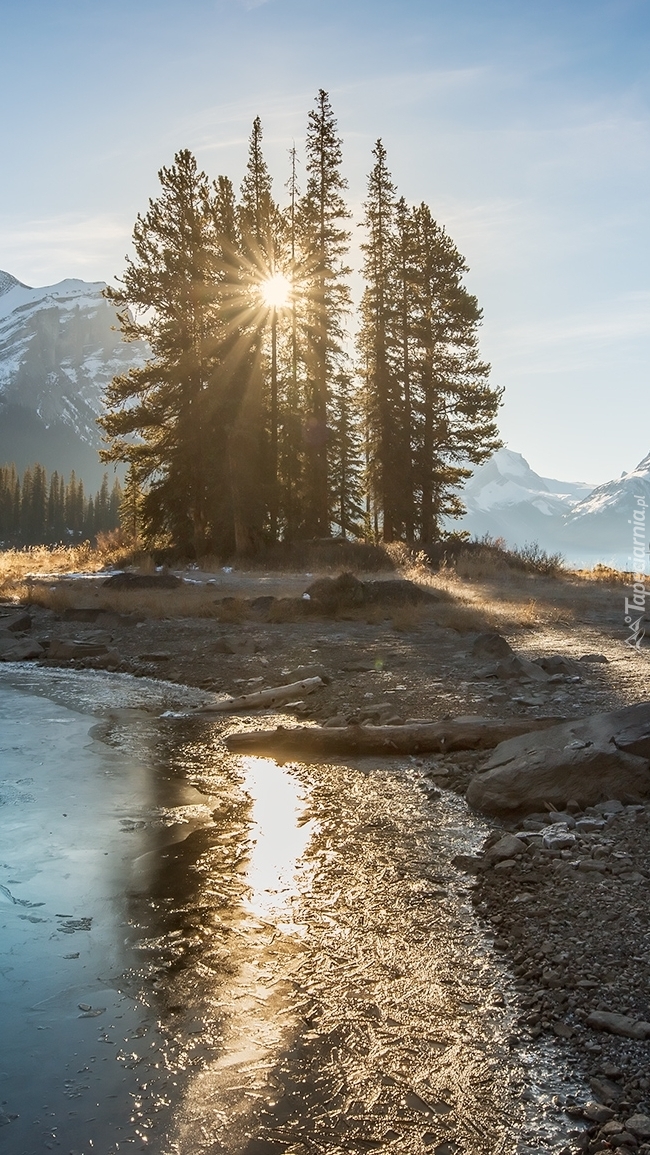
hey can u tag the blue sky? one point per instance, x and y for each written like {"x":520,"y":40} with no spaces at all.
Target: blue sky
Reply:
{"x":524,"y":125}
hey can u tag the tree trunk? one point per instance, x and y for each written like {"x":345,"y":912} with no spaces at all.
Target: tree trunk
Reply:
{"x":471,"y":733}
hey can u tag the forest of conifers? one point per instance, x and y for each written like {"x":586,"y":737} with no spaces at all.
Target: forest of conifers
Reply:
{"x":270,"y":409}
{"x":35,"y":511}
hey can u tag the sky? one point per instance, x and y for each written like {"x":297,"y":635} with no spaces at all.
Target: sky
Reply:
{"x":525,"y":126}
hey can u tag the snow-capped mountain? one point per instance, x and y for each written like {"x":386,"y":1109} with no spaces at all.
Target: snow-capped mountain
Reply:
{"x":506,"y":498}
{"x":603,"y":520}
{"x":59,"y":348}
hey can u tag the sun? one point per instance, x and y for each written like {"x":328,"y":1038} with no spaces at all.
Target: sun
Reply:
{"x":276,"y":291}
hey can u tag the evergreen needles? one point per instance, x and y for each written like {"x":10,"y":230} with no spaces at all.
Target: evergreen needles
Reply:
{"x":253,"y":421}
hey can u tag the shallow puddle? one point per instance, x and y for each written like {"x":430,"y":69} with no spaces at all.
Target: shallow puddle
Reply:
{"x":206,"y":953}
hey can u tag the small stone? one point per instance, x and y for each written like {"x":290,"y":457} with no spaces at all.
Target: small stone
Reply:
{"x":639,"y":1126}
{"x":612,"y":806}
{"x":16,"y":623}
{"x":618,"y":1025}
{"x":598,"y":1112}
{"x":613,"y":1127}
{"x":562,"y":816}
{"x":558,"y":837}
{"x":605,"y":1090}
{"x":563,"y":1030}
{"x":506,"y":847}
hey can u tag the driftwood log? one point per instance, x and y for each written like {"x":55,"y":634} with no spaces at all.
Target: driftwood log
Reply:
{"x":264,"y":698}
{"x":468,"y":733}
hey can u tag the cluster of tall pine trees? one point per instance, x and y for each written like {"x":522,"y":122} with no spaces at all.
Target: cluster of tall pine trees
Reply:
{"x":35,"y":511}
{"x":259,"y":416}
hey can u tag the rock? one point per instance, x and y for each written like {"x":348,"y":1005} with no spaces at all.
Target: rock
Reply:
{"x":618,"y":1025}
{"x":593,"y":658}
{"x":558,"y":837}
{"x":589,"y":825}
{"x":468,"y":863}
{"x":612,"y":806}
{"x":108,"y":661}
{"x":76,"y":648}
{"x":597,"y":1112}
{"x":515,"y":668}
{"x":262,"y":604}
{"x":580,"y":760}
{"x":16,"y":623}
{"x":491,"y":646}
{"x":614,"y":1127}
{"x":398,"y":592}
{"x":142,"y":581}
{"x":557,"y":664}
{"x":328,"y":595}
{"x":506,"y":847}
{"x":155,"y":656}
{"x":299,"y":673}
{"x":639,"y":1126}
{"x":591,"y":865}
{"x":337,"y":720}
{"x":563,"y":1030}
{"x":562,"y":816}
{"x":331,"y":594}
{"x":20,"y":650}
{"x":605,"y":1090}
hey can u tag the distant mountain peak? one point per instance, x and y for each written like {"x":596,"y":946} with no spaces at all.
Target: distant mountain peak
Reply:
{"x":7,"y":282}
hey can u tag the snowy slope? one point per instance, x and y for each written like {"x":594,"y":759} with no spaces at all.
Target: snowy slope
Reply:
{"x":602,"y":521}
{"x":506,"y":498}
{"x":58,"y":350}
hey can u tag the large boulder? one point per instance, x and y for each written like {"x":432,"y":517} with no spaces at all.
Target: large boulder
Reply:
{"x":492,"y":646}
{"x":588,"y":760}
{"x":329,"y":595}
{"x":17,"y":622}
{"x":142,"y":581}
{"x":75,"y":648}
{"x":13,"y":649}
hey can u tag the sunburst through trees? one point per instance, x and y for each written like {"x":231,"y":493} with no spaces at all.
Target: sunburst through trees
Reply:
{"x":253,"y":421}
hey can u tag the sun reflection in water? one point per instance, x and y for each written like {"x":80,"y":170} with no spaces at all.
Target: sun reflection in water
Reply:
{"x":279,"y":837}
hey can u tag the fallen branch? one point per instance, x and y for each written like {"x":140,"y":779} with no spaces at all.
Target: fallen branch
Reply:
{"x":468,"y":733}
{"x":262,"y":698}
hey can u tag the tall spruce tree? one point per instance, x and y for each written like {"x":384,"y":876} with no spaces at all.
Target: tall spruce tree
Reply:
{"x":166,"y":298}
{"x":405,"y":276}
{"x":378,"y":307}
{"x":325,"y":242}
{"x":456,"y":406}
{"x":256,"y":428}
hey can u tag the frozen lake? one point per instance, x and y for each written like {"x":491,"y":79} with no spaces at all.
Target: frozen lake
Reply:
{"x":201,"y":953}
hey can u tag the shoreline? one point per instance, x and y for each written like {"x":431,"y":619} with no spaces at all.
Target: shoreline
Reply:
{"x":424,"y":670}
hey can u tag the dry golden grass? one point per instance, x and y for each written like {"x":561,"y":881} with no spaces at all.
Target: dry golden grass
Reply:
{"x":480,"y":593}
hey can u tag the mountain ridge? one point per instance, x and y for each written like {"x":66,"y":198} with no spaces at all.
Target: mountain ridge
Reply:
{"x":59,"y":348}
